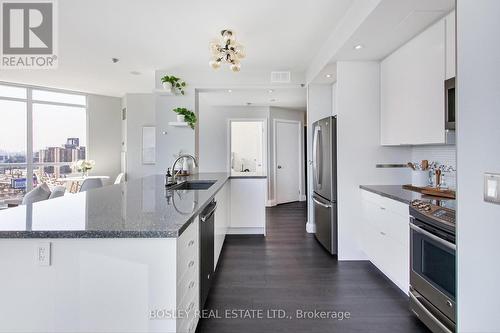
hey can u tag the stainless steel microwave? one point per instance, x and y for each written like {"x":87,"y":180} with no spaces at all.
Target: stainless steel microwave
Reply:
{"x":449,"y":98}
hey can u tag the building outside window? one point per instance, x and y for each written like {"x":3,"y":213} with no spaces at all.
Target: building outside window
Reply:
{"x":42,"y":133}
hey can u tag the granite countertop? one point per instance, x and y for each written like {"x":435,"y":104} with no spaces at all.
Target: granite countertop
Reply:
{"x":397,"y":192}
{"x":141,"y":208}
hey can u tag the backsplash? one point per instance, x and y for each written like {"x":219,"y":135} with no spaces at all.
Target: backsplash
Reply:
{"x":446,"y":155}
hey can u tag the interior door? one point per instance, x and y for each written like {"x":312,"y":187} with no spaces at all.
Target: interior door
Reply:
{"x":287,"y":162}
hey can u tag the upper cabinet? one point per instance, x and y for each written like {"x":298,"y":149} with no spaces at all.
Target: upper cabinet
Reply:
{"x":412,"y":89}
{"x":450,"y":45}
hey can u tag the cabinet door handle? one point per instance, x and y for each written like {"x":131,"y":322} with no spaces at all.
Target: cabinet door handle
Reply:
{"x":191,"y":263}
{"x":191,"y":243}
{"x":383,"y":233}
{"x":383,"y":208}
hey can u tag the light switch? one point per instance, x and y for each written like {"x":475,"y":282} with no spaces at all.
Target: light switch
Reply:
{"x":492,"y":188}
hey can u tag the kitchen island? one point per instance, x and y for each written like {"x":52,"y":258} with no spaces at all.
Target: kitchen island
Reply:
{"x":122,"y":258}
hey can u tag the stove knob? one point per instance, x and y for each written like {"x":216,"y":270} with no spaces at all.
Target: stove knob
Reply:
{"x":427,"y":208}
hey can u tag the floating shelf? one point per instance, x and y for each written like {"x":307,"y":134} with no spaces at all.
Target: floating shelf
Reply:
{"x":163,"y":92}
{"x":178,"y":124}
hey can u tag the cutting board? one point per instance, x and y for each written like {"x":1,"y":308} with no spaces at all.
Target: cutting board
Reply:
{"x":432,"y":191}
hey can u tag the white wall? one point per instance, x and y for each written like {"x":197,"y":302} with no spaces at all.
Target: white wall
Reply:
{"x":176,"y":138}
{"x":478,"y":136}
{"x":319,"y":106}
{"x":359,"y":150}
{"x":213,"y":132}
{"x":104,"y":134}
{"x":140,"y":113}
{"x":285,"y":114}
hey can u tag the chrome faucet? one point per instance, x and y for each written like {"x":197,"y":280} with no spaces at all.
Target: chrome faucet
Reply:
{"x":174,"y":174}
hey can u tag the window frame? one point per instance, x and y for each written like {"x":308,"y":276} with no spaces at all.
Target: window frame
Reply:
{"x":29,"y":125}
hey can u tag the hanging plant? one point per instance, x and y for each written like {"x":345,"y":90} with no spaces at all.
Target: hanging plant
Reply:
{"x":173,"y":84}
{"x":189,"y":116}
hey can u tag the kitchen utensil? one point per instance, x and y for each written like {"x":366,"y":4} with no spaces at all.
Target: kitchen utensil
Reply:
{"x":411,"y":165}
{"x":425,"y":164}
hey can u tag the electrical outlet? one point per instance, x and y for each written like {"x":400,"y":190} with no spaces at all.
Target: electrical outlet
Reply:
{"x":43,"y":254}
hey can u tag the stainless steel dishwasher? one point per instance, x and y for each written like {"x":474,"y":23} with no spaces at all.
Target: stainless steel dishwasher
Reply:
{"x":207,"y":218}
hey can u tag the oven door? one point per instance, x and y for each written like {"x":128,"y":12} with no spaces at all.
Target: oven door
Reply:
{"x":432,"y":262}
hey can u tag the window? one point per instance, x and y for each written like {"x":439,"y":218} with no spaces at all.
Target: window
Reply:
{"x":46,"y":124}
{"x":247,"y":147}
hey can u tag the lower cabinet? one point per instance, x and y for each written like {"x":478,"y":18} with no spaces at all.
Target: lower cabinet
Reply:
{"x":385,"y":238}
{"x":188,"y":286}
{"x":222,"y":219}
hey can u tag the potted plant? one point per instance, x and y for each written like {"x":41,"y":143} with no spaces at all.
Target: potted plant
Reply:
{"x":185,"y":115}
{"x":173,"y":84}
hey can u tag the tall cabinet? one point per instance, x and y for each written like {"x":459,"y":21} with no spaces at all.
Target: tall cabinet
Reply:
{"x":412,"y":87}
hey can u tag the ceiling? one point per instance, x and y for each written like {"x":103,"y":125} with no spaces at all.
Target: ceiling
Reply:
{"x":390,"y":25}
{"x":289,"y":98}
{"x":161,"y":34}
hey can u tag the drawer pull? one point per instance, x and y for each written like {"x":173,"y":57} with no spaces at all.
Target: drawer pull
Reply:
{"x":191,"y":243}
{"x":191,"y":284}
{"x":383,"y":233}
{"x":191,"y":263}
{"x":383,"y":208}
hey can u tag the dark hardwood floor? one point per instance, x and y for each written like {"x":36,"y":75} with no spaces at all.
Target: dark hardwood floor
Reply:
{"x":288,"y":270}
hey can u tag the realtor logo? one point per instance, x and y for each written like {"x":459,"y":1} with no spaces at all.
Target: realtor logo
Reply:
{"x":28,"y":34}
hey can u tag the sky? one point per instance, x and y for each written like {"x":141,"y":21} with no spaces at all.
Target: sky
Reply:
{"x":52,"y":125}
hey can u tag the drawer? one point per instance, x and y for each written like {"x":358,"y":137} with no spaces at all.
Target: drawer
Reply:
{"x":188,"y":236}
{"x":186,"y":285}
{"x":187,"y":262}
{"x":395,"y":206}
{"x":371,"y":197}
{"x":189,"y":308}
{"x":396,"y":227}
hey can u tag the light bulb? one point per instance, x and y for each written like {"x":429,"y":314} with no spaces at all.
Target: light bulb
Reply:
{"x":214,"y":47}
{"x":215,"y":64}
{"x":228,"y":35}
{"x":235,"y":67}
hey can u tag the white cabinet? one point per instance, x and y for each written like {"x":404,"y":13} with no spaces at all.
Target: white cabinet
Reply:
{"x":222,"y":220}
{"x":412,"y":91}
{"x":248,"y":206}
{"x":385,"y":237}
{"x":188,"y":286}
{"x":450,"y":45}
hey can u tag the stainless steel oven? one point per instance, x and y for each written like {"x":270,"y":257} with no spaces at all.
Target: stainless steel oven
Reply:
{"x":449,"y":98}
{"x":432,"y":267}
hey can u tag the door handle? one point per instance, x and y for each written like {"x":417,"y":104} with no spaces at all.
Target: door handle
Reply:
{"x":433,"y":237}
{"x":321,"y":204}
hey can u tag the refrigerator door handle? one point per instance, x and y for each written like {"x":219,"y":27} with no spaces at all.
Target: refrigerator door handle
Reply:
{"x":320,"y":203}
{"x":317,"y":156}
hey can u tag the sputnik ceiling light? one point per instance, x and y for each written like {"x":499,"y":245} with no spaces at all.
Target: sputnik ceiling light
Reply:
{"x":227,"y":50}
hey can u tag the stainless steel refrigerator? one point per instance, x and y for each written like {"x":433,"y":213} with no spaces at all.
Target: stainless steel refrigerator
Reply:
{"x":324,"y":153}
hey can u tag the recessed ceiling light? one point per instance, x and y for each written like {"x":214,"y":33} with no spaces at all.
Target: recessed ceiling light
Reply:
{"x":229,"y":91}
{"x":358,"y":47}
{"x":135,"y":73}
{"x":115,"y":60}
{"x":328,"y":76}
{"x":271,"y":91}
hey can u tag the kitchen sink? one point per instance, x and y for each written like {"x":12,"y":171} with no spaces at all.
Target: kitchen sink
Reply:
{"x":193,"y":185}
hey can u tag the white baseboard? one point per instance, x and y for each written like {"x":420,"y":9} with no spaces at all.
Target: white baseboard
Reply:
{"x":310,"y":227}
{"x":271,"y":203}
{"x":247,"y":231}
{"x":302,"y":197}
